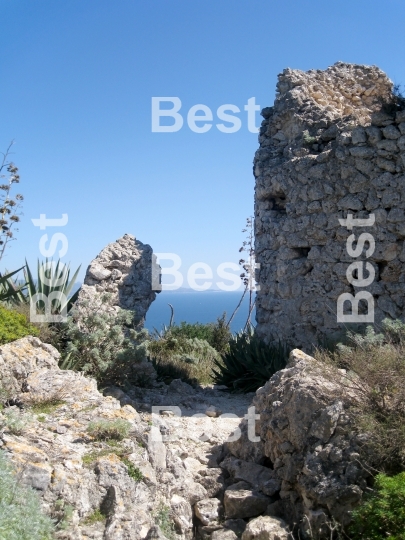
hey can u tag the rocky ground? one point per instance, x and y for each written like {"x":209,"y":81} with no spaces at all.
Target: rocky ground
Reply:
{"x":166,"y":478}
{"x":193,"y":467}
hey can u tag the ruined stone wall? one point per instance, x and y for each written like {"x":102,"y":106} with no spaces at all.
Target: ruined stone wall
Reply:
{"x":327,"y":149}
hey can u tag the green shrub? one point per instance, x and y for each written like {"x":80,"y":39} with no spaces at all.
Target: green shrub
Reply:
{"x":89,"y":458}
{"x":375,"y":375}
{"x":191,"y":360}
{"x":250,"y":363}
{"x":163,"y":519}
{"x":20,"y":512}
{"x":102,"y":344}
{"x":382,"y":515}
{"x":216,"y":334}
{"x":16,"y":421}
{"x":14,"y":326}
{"x":51,"y":333}
{"x":109,"y":429}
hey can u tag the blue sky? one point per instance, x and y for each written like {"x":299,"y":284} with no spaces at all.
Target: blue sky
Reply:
{"x":77,"y":78}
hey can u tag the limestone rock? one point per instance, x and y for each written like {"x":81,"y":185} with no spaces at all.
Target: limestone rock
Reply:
{"x":156,"y":449}
{"x":244,"y":503}
{"x":124,"y":269}
{"x":130,"y":481}
{"x":182,"y":513}
{"x":266,"y":528}
{"x":223,"y":534}
{"x":235,"y":525}
{"x":306,"y":437}
{"x":21,"y":358}
{"x":213,"y":411}
{"x":213,"y":481}
{"x":208,"y":511}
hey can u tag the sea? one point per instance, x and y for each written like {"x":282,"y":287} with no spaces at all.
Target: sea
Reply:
{"x":203,"y":307}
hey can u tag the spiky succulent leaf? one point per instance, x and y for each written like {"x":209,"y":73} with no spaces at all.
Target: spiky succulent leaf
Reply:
{"x":249,"y":363}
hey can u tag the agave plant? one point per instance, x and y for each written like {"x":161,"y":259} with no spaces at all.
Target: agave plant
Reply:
{"x":52,"y":278}
{"x":249,"y":363}
{"x":10,"y":290}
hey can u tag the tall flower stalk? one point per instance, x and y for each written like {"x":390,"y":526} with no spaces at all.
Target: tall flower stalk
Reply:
{"x":9,"y":206}
{"x":248,"y":266}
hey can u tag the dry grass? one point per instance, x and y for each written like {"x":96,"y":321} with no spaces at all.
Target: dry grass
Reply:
{"x":45,"y":403}
{"x":375,"y":376}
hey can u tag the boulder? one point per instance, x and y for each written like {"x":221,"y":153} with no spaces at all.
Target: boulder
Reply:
{"x":182,"y":513}
{"x":244,"y":503}
{"x":208,"y":511}
{"x":223,"y":534}
{"x":213,"y":481}
{"x":266,"y":528}
{"x":306,"y":437}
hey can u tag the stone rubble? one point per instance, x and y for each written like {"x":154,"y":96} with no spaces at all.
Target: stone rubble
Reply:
{"x":302,"y":472}
{"x":327,"y":150}
{"x":177,"y":456}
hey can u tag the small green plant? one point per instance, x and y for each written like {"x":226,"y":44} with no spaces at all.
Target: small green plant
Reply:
{"x":94,"y":517}
{"x":307,"y":139}
{"x":132,"y":470}
{"x":16,"y":421}
{"x":109,"y":429}
{"x":5,"y":393}
{"x":382,"y":515}
{"x":14,"y":326}
{"x":249,"y":363}
{"x":20,"y":511}
{"x":41,"y":418}
{"x":46,"y":408}
{"x":163,"y":519}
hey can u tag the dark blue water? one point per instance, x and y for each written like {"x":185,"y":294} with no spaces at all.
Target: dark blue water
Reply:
{"x":200,"y":307}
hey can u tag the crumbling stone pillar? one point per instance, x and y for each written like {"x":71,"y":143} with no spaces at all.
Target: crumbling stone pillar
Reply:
{"x":328,"y":150}
{"x":124,"y":270}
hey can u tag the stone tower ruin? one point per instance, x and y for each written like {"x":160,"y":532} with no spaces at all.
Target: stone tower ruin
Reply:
{"x":331,"y":148}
